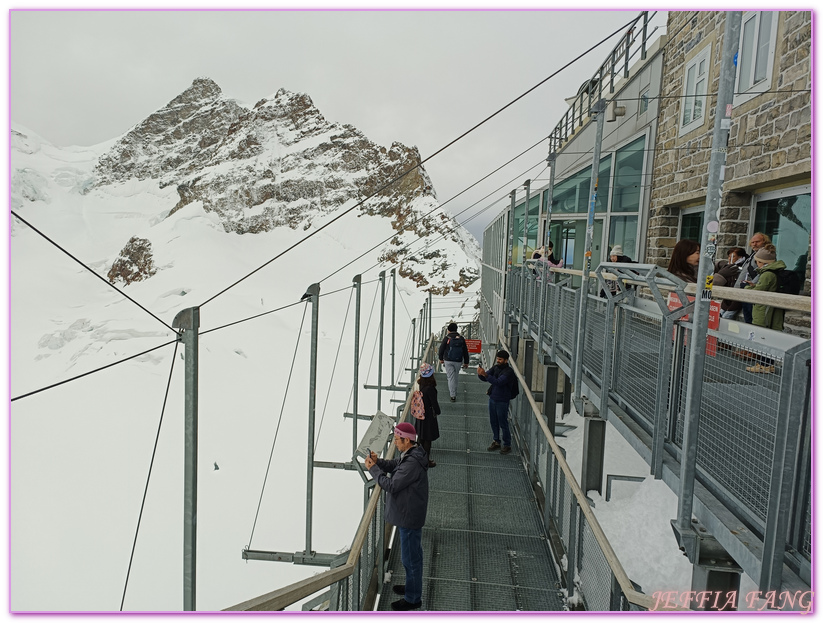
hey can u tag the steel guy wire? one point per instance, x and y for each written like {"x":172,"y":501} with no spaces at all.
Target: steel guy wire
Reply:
{"x":334,"y":367}
{"x":109,"y":284}
{"x":440,"y":205}
{"x":406,"y":354}
{"x":373,"y":266}
{"x":148,"y":478}
{"x":279,"y":420}
{"x":80,"y":376}
{"x":420,"y":164}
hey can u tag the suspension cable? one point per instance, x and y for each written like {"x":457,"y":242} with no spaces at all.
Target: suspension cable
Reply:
{"x":277,"y":429}
{"x":111,"y":285}
{"x":334,"y":368}
{"x":148,"y":478}
{"x":420,"y":164}
{"x":80,"y":376}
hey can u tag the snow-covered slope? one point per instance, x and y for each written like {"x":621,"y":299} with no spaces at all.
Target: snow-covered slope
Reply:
{"x":80,"y":452}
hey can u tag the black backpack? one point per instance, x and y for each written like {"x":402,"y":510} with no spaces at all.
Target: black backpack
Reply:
{"x":455,"y":351}
{"x":788,"y":281}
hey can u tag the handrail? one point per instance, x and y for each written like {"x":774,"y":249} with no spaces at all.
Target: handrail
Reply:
{"x":287,"y":595}
{"x":632,"y":595}
{"x":793,"y":302}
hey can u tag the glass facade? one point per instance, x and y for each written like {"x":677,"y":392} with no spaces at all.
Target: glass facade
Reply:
{"x":619,"y":194}
{"x":788,"y":222}
{"x":519,"y":214}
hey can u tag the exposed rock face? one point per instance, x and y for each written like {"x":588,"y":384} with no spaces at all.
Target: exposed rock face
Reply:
{"x":135,"y":262}
{"x":280,"y":164}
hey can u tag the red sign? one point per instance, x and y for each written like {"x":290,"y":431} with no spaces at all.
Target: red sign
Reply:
{"x":474,"y":346}
{"x":673,"y":303}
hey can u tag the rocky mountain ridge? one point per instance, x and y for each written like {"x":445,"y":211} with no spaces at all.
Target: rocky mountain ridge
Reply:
{"x":282,"y":164}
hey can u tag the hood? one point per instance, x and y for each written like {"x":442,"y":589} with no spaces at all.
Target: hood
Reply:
{"x":419,"y":454}
{"x":776,"y":265}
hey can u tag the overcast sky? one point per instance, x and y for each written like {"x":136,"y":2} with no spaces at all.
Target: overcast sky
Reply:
{"x":418,"y":77}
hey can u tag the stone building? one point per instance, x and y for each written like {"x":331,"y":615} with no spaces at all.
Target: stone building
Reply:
{"x":767,"y":182}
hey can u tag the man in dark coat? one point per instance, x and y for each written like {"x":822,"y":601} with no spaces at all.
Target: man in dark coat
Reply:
{"x":452,"y":354}
{"x":503,"y":389}
{"x":407,"y":500}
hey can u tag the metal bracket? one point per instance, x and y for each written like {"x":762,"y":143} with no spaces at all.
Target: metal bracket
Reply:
{"x":298,"y":558}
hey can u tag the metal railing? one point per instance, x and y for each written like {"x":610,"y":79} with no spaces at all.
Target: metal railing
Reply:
{"x":353,"y":584}
{"x":753,"y":450}
{"x":613,"y":69}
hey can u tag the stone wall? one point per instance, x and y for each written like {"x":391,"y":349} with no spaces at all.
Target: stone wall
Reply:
{"x":769,"y":143}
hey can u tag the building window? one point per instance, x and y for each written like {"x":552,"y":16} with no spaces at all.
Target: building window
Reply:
{"x":574,"y":193}
{"x":786,"y":217}
{"x":691,"y":225}
{"x":755,"y":56}
{"x":644,"y":101}
{"x":695,"y":82}
{"x":628,"y":176}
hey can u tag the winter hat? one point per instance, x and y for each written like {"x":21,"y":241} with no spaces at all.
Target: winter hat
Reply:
{"x":503,"y":354}
{"x":766,"y":254}
{"x":617,"y":250}
{"x":452,"y":327}
{"x":405,"y":430}
{"x":426,"y":370}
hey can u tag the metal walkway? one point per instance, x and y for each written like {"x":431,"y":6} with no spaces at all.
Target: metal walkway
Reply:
{"x":484,"y":545}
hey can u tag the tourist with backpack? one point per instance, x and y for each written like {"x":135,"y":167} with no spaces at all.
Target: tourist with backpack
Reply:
{"x":504,"y":387}
{"x":771,"y":272}
{"x":453,"y":354}
{"x":426,"y":397}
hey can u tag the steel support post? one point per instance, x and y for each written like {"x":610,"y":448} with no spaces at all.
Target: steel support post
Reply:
{"x":608,"y":352}
{"x":393,"y":320}
{"x":522,"y":297}
{"x":694,"y":388}
{"x":189,"y":321}
{"x":793,"y":392}
{"x":314,"y":293}
{"x":431,"y":326}
{"x":357,"y":280}
{"x":594,"y":447}
{"x":573,"y":551}
{"x":550,"y":372}
{"x":424,"y":318}
{"x":413,"y":354}
{"x":567,"y":394}
{"x":380,"y":345}
{"x":598,"y":110}
{"x":510,"y":256}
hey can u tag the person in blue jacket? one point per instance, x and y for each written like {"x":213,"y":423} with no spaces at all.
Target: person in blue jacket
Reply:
{"x":503,"y":389}
{"x":407,"y":500}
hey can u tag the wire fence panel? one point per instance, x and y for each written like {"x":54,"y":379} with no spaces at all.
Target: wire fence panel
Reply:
{"x":738,"y":421}
{"x":637,"y":354}
{"x":595,"y":573}
{"x":568,"y":296}
{"x":595,"y":334}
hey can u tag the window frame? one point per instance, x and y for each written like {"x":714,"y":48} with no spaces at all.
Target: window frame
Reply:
{"x":765,"y":84}
{"x":704,"y":55}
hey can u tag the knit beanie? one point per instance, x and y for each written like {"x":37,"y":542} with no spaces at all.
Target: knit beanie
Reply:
{"x":766,"y":254}
{"x":406,"y":430}
{"x":503,"y":354}
{"x":426,"y":370}
{"x":617,"y":250}
{"x":452,"y":327}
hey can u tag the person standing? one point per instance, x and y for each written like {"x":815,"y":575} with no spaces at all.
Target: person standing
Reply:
{"x":427,"y":429}
{"x":765,"y":315}
{"x":407,"y":500}
{"x":748,"y":270}
{"x":453,"y":354}
{"x":503,"y":389}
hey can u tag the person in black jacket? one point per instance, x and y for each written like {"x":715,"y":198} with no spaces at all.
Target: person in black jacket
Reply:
{"x":453,"y":354}
{"x":407,"y":501}
{"x":503,"y":389}
{"x":427,"y":428}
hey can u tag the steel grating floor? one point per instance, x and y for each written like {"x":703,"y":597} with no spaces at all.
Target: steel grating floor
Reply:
{"x":484,"y":548}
